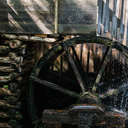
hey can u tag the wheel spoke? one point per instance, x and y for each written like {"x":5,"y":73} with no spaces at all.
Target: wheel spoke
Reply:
{"x":76,"y":71}
{"x":61,"y":69}
{"x":100,"y":73}
{"x":55,"y":87}
{"x":78,"y":62}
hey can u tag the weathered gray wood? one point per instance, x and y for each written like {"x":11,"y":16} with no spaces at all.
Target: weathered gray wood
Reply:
{"x":122,"y":18}
{"x":56,"y":15}
{"x":99,"y":16}
{"x":31,"y":16}
{"x":107,"y":17}
{"x":73,"y":116}
{"x":112,"y":19}
{"x":104,"y":18}
{"x":125,"y":36}
{"x":77,"y":16}
{"x":89,"y":116}
{"x":21,"y":16}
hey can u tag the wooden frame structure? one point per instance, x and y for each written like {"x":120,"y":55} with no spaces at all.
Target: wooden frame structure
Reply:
{"x":108,"y":17}
{"x":113,"y":19}
{"x":48,"y":16}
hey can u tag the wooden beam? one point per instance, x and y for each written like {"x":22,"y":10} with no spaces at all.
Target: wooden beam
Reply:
{"x":76,"y":71}
{"x":55,"y":87}
{"x":103,"y":65}
{"x":73,"y":116}
{"x":29,"y":38}
{"x":56,"y":15}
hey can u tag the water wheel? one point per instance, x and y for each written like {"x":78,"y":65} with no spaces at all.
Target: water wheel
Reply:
{"x":54,"y":88}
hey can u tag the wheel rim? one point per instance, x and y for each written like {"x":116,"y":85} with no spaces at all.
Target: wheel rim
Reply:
{"x":58,"y":50}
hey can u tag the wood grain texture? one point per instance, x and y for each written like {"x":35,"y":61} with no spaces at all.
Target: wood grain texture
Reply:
{"x":113,"y":19}
{"x":38,"y":16}
{"x":27,"y":16}
{"x":77,"y":16}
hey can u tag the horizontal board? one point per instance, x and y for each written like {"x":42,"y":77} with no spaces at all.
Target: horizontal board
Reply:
{"x":76,"y":28}
{"x":77,"y":15}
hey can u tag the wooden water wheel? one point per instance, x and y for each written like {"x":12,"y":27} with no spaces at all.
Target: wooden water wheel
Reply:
{"x":61,"y":89}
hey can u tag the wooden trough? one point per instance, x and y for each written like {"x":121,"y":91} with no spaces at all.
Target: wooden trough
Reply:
{"x":84,"y":116}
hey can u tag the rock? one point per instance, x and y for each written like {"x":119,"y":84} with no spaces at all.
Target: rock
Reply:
{"x":12,"y":100}
{"x":4,"y":105}
{"x":5,"y":125}
{"x":5,"y":92}
{"x":4,"y":49}
{"x":5,"y":79}
{"x":7,"y":69}
{"x":4,"y":115}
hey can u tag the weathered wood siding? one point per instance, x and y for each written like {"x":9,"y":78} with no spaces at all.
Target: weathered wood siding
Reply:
{"x":77,"y":16}
{"x":39,"y":16}
{"x":27,"y":16}
{"x":113,"y":19}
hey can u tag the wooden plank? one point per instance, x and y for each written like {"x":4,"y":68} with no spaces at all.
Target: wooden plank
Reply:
{"x":86,"y":118}
{"x":122,"y":18}
{"x":56,"y":15}
{"x":29,"y":28}
{"x":107,"y":23}
{"x":56,"y":87}
{"x":77,"y":16}
{"x":103,"y":66}
{"x":76,"y":72}
{"x":104,"y":14}
{"x":99,"y":16}
{"x":73,"y":116}
{"x":39,"y":16}
{"x":112,"y":19}
{"x":27,"y":16}
{"x":125,"y":35}
{"x":115,"y":18}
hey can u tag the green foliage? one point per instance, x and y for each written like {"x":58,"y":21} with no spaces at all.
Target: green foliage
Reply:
{"x":5,"y":86}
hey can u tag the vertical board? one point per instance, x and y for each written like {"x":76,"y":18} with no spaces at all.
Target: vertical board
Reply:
{"x":27,"y":16}
{"x":77,"y":16}
{"x":113,"y":19}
